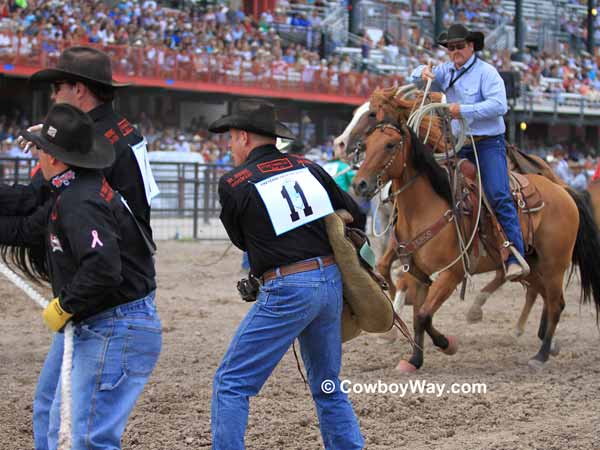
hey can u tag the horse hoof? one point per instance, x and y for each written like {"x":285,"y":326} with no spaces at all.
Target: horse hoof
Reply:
{"x":405,"y":367}
{"x":474,"y":315}
{"x":452,"y":346}
{"x":554,"y":349}
{"x":536,"y":364}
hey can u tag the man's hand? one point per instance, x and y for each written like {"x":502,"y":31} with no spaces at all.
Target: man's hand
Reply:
{"x":26,"y":145}
{"x":454,"y":110}
{"x":54,"y":316}
{"x":427,"y":73}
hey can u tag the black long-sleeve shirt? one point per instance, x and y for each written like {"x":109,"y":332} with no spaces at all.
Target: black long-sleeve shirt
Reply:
{"x":96,"y":254}
{"x":247,"y":220}
{"x":123,"y":175}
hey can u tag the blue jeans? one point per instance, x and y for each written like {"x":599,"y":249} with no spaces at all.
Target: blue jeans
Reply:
{"x":114,"y":353}
{"x":245,"y":261}
{"x":494,"y":177}
{"x":307,"y":306}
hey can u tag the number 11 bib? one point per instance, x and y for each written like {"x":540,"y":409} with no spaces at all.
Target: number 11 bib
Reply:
{"x":293,"y":199}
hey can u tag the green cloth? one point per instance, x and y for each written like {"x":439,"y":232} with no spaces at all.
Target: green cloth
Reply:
{"x":336,"y":166}
{"x":21,"y":3}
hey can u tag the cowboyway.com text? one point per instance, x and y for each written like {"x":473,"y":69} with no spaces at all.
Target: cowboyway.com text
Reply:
{"x":409,"y":387}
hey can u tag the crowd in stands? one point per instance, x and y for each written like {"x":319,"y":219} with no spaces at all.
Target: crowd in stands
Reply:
{"x":156,"y":40}
{"x":152,"y":40}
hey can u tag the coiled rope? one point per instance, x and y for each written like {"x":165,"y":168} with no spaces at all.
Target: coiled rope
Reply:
{"x":414,"y":121}
{"x":64,"y":435}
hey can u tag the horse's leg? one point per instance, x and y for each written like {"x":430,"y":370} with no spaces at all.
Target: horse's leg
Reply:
{"x":475,"y":313}
{"x":554,"y":303}
{"x":530,"y":297}
{"x":416,"y":359}
{"x":437,"y":294}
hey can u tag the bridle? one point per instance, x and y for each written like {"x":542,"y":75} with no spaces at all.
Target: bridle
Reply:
{"x":398,"y":149}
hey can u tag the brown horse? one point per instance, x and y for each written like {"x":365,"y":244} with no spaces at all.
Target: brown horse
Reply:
{"x":402,"y":290}
{"x":564,"y":232}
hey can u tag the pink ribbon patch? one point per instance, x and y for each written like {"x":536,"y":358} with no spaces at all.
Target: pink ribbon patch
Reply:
{"x":96,"y":240}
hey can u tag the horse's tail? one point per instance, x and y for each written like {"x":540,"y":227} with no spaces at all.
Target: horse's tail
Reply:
{"x":587,"y":249}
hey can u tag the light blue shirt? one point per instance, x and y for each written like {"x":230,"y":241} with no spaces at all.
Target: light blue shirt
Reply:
{"x":480,"y":92}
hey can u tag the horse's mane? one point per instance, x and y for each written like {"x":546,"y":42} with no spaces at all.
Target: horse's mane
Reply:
{"x":401,"y":108}
{"x":424,"y":162}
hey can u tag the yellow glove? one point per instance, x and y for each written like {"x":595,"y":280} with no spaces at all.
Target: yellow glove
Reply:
{"x":54,"y":316}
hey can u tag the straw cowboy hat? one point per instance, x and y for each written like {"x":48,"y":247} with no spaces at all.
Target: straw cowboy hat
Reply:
{"x":81,"y":64}
{"x":253,"y":115}
{"x":458,"y":32}
{"x":68,"y":135}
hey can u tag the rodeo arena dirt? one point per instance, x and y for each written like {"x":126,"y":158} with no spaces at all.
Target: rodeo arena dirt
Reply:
{"x":426,"y":154}
{"x":521,"y":408}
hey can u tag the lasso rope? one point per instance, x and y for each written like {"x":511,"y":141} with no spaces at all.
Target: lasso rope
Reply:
{"x":414,"y":122}
{"x":64,"y":435}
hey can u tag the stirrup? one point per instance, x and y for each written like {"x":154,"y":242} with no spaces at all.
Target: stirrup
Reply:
{"x":525,"y":269}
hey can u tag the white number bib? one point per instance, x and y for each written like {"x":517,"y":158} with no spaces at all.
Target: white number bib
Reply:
{"x":293,"y":199}
{"x":141,"y":156}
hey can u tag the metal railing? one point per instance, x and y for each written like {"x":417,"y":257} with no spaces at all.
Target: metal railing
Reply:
{"x":186,"y":208}
{"x":558,"y":103}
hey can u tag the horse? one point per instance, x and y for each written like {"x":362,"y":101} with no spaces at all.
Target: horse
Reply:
{"x":565,"y":232}
{"x":350,"y":140}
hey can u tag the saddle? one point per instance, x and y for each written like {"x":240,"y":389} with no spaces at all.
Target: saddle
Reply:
{"x":490,"y":236}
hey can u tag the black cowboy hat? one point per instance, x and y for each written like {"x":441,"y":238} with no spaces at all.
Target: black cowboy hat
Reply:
{"x":68,"y":135}
{"x":253,"y":115}
{"x":80,"y":64}
{"x":458,"y":32}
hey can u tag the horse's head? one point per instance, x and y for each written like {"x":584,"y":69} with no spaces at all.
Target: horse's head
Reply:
{"x":354,"y":148}
{"x":386,"y":156}
{"x":379,"y":108}
{"x":341,"y":144}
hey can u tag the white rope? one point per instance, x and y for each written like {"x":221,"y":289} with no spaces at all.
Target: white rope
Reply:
{"x":64,"y":436}
{"x":436,"y":274}
{"x":414,"y":121}
{"x":390,"y":220}
{"x":23,"y":285}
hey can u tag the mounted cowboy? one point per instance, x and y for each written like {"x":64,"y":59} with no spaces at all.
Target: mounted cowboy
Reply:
{"x":477,"y":93}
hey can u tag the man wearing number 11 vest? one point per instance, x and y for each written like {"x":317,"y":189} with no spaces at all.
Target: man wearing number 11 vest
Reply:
{"x":272,"y":206}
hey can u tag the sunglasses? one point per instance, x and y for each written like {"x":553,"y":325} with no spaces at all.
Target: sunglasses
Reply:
{"x":457,"y":46}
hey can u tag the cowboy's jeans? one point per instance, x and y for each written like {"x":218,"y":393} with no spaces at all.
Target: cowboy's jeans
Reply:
{"x":307,"y":306}
{"x":114,"y":353}
{"x":494,"y":177}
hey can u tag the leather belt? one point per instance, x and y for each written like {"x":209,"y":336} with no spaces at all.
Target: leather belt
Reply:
{"x":480,"y":138}
{"x":302,"y":266}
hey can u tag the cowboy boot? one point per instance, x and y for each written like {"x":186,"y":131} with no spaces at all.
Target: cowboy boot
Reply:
{"x":518,"y":269}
